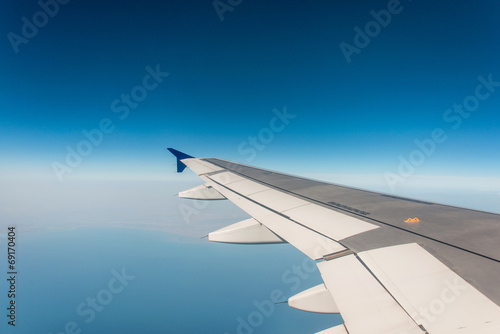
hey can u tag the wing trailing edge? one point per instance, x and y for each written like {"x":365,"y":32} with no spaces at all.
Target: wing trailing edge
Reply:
{"x":398,"y":289}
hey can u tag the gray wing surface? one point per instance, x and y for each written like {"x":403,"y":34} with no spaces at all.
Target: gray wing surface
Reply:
{"x":389,"y":264}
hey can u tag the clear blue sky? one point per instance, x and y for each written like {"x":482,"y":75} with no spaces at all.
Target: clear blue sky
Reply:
{"x":227,"y":76}
{"x":87,"y":109}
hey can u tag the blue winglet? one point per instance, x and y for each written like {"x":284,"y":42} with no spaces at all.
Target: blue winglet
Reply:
{"x":179,"y":155}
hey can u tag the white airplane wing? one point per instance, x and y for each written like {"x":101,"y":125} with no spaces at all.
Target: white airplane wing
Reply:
{"x":390,"y":265}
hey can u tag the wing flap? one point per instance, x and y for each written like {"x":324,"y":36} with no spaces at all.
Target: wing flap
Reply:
{"x":399,"y":289}
{"x":225,"y":177}
{"x":246,"y":187}
{"x":364,"y":304}
{"x":338,"y":226}
{"x":277,"y":200}
{"x":314,"y":245}
{"x":313,"y":216}
{"x":431,"y":292}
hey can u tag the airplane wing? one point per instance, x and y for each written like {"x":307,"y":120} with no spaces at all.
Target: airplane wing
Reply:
{"x":390,"y":265}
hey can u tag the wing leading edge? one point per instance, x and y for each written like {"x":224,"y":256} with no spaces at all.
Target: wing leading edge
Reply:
{"x":382,"y":274}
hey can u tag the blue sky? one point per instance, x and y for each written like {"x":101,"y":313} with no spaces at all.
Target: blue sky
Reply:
{"x":227,"y":76}
{"x":269,"y":85}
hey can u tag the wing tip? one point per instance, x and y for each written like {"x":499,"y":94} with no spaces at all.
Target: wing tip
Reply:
{"x":179,"y":156}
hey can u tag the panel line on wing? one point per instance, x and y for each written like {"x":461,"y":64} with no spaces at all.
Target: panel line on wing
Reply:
{"x":272,"y":210}
{"x":336,"y":208}
{"x":346,"y":252}
{"x":323,"y":221}
{"x":419,"y":282}
{"x":389,"y":292}
{"x":312,"y":200}
{"x":365,"y":304}
{"x":312,"y":243}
